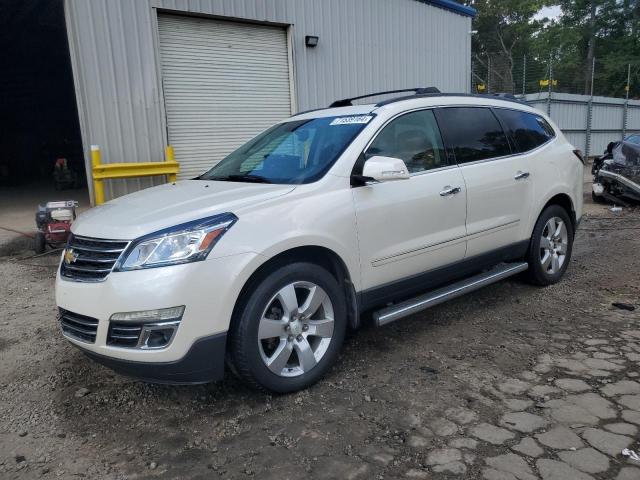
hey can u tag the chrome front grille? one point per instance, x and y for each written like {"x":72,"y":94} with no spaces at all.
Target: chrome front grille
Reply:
{"x":78,"y":326}
{"x":90,"y":259}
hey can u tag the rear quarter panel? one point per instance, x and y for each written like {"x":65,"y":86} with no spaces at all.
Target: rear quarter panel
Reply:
{"x":555,"y":170}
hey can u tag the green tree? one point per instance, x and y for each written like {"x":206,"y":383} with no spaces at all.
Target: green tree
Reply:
{"x":504,"y":32}
{"x":605,"y":30}
{"x":603,"y":35}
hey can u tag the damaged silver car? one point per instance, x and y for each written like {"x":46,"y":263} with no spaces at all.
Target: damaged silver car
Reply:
{"x":616,"y":174}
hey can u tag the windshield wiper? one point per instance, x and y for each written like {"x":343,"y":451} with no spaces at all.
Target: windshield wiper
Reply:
{"x":242,"y":178}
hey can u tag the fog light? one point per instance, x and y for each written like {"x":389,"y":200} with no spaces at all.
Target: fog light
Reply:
{"x":145,"y":329}
{"x":159,"y":338}
{"x":157,"y":335}
{"x":158,"y":315}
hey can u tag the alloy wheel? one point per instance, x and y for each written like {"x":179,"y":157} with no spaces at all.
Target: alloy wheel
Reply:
{"x":295,"y":329}
{"x":553,"y":245}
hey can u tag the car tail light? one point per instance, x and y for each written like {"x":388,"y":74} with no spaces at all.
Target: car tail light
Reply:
{"x":578,"y":153}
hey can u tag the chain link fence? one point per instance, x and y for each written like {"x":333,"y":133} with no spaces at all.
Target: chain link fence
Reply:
{"x":498,"y":73}
{"x":592,"y":104}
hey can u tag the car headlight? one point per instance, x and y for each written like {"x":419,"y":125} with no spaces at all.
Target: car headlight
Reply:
{"x":189,"y":242}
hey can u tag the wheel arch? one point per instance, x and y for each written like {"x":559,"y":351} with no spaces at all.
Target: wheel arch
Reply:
{"x":319,"y":255}
{"x":563,"y":200}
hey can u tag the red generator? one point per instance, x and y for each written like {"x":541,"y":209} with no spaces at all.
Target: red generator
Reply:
{"x":53,"y":220}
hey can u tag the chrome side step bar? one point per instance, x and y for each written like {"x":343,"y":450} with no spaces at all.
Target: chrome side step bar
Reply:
{"x":440,"y":295}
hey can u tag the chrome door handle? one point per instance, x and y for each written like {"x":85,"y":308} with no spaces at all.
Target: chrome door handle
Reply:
{"x":450,"y":191}
{"x":520,"y":175}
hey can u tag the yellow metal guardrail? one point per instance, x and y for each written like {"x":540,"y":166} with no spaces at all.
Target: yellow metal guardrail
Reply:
{"x":105,"y":171}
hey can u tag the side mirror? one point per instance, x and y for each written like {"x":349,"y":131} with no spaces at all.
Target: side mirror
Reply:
{"x":384,"y":169}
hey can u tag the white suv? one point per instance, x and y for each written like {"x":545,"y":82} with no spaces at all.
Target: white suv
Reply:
{"x":265,"y":260}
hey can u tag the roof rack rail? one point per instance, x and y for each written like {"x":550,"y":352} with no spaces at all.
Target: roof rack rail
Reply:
{"x":347,"y":102}
{"x":507,"y":97}
{"x":510,"y":96}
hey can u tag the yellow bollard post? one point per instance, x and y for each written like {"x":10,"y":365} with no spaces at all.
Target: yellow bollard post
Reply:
{"x":98,"y":186}
{"x":170,"y":157}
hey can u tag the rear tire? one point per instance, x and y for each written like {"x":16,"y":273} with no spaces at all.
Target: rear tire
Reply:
{"x":597,"y":198}
{"x":39,"y":243}
{"x":550,"y":246}
{"x":288,"y":330}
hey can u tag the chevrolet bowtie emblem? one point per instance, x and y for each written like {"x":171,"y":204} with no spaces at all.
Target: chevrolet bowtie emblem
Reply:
{"x":70,"y":256}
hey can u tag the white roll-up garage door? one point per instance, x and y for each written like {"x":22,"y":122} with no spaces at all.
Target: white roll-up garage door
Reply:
{"x":224,"y":82}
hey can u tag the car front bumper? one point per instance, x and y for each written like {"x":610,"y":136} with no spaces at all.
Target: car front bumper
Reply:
{"x":204,"y":362}
{"x":208,"y":290}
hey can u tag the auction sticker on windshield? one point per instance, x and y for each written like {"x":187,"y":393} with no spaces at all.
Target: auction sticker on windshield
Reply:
{"x":351,"y":120}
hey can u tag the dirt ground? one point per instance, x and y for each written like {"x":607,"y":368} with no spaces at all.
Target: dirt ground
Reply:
{"x":511,"y":382}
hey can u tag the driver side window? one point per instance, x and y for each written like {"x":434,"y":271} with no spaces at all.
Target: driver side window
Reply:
{"x":415,"y":139}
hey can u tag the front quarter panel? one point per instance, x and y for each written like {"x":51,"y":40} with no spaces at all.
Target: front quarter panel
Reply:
{"x":320,"y":214}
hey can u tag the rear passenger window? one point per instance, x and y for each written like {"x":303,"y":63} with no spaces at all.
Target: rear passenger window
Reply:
{"x":472,"y":133}
{"x":527,"y":130}
{"x":414,"y":138}
{"x":547,"y":128}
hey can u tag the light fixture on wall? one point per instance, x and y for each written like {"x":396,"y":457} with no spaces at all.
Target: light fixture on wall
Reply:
{"x":311,"y":41}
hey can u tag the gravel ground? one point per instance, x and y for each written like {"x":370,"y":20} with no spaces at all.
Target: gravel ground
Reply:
{"x":511,"y":382}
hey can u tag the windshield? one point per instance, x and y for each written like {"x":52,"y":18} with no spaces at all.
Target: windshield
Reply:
{"x":292,"y":152}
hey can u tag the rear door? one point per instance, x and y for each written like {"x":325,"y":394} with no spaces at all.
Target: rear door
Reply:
{"x":407,"y":227}
{"x":497,"y":178}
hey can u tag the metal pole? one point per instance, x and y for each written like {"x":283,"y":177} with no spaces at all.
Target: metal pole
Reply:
{"x":587,"y":143}
{"x":524,"y":75}
{"x":549,"y":86}
{"x":488,"y":74}
{"x":473,"y":71}
{"x":98,"y":184}
{"x":625,"y":111}
{"x":170,"y":156}
{"x":593,"y":71}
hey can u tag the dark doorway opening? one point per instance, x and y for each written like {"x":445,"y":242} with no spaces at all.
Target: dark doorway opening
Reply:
{"x":38,"y":113}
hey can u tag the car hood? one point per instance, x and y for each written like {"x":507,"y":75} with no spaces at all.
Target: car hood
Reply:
{"x":155,"y":208}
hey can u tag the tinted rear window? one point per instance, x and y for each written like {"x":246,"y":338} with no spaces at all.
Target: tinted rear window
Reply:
{"x":527,"y":130}
{"x":472,"y":133}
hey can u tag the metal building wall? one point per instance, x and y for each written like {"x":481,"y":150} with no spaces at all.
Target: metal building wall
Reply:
{"x":364,"y":46}
{"x":570,"y":112}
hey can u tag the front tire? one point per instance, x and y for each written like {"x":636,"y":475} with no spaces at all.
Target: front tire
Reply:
{"x":289,"y":328}
{"x":550,"y":246}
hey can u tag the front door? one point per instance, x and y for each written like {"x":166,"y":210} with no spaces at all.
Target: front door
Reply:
{"x":407,"y":227}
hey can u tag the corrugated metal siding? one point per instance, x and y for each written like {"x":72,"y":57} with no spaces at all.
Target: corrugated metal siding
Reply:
{"x":633,"y":117}
{"x":116,"y":83}
{"x":570,"y":114}
{"x":365,"y":46}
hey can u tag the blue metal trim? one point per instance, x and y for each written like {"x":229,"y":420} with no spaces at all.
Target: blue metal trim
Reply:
{"x":453,"y":6}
